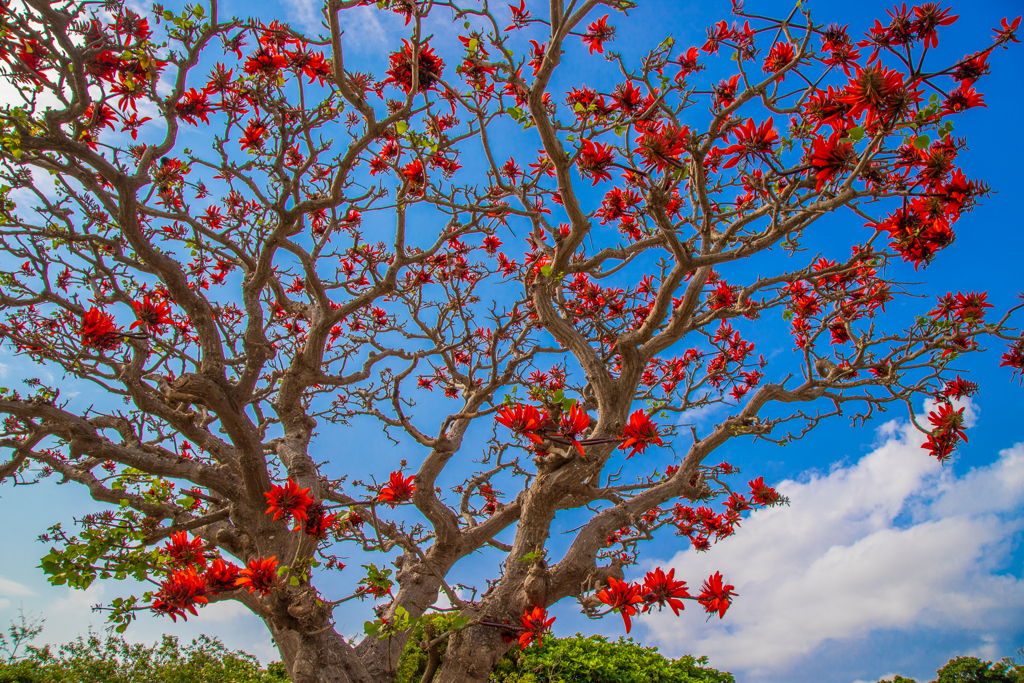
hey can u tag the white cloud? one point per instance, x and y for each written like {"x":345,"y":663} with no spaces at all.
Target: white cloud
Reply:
{"x":307,"y":13}
{"x":14,"y":589}
{"x":893,"y":541}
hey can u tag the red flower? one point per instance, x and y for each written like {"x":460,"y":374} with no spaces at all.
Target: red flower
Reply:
{"x":941,"y":446}
{"x":288,"y":501}
{"x":716,"y":597}
{"x":779,"y":57}
{"x":597,"y":33}
{"x":879,"y":91}
{"x":185,"y":553}
{"x":958,"y":388}
{"x":929,"y":17}
{"x":259,"y":575}
{"x":253,"y":136}
{"x":627,"y":97}
{"x":948,"y":421}
{"x":524,"y":419}
{"x":520,"y":15}
{"x":98,"y":330}
{"x":1014,"y":358}
{"x":722,"y":297}
{"x":104,"y":117}
{"x":830,"y":157}
{"x":970,"y":308}
{"x":1007,"y":32}
{"x":221,"y":577}
{"x":152,"y":314}
{"x":725,"y":91}
{"x":621,"y":596}
{"x":574,"y":424}
{"x":180,"y":592}
{"x":639,"y":433}
{"x":429,"y":71}
{"x":963,"y":98}
{"x":594,"y":160}
{"x":194,"y":104}
{"x":413,"y":173}
{"x":764,"y":494}
{"x":661,"y":589}
{"x":318,"y":521}
{"x":660,"y":146}
{"x":752,"y":140}
{"x":536,"y":623}
{"x":398,"y":489}
{"x":265,"y":62}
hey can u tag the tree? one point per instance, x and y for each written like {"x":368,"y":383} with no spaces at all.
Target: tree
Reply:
{"x":327,"y":263}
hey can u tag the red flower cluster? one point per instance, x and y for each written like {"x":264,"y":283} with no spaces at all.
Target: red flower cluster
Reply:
{"x":947,"y":431}
{"x":752,"y":140}
{"x":594,"y":160}
{"x":181,"y":592}
{"x":622,"y":597}
{"x":98,"y":330}
{"x":598,"y":33}
{"x":1014,"y":358}
{"x":535,"y":625}
{"x":657,"y":590}
{"x":185,"y":553}
{"x":428,"y":67}
{"x":399,"y":489}
{"x":185,"y":588}
{"x":716,"y":596}
{"x":662,"y":589}
{"x":639,"y":433}
{"x":288,"y":501}
{"x":259,"y":575}
{"x":152,"y":314}
{"x":573,"y":424}
{"x":526,"y":420}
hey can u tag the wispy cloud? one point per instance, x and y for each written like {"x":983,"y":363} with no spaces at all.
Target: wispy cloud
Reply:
{"x":893,"y":541}
{"x":10,"y":588}
{"x":306,"y":13}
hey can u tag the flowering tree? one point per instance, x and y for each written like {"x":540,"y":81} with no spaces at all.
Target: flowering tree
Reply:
{"x":326,"y":262}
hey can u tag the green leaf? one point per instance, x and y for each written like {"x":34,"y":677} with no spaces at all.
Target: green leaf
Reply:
{"x":370,"y":628}
{"x":472,"y":44}
{"x":294,"y":581}
{"x":856,"y":133}
{"x":922,"y":141}
{"x":401,"y":127}
{"x":546,"y":270}
{"x":531,"y":556}
{"x":460,"y":623}
{"x":465,"y":24}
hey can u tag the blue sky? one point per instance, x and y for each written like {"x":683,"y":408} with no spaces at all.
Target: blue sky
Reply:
{"x":884,"y":563}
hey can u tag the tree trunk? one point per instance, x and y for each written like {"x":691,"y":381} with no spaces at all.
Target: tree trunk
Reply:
{"x":472,"y":654}
{"x":323,"y":657}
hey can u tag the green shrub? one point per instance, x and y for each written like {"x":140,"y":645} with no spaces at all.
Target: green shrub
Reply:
{"x":973,"y":670}
{"x":579,"y":659}
{"x":113,"y":660}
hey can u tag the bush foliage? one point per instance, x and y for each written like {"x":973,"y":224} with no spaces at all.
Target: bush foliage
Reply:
{"x":110,"y":659}
{"x":578,"y":659}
